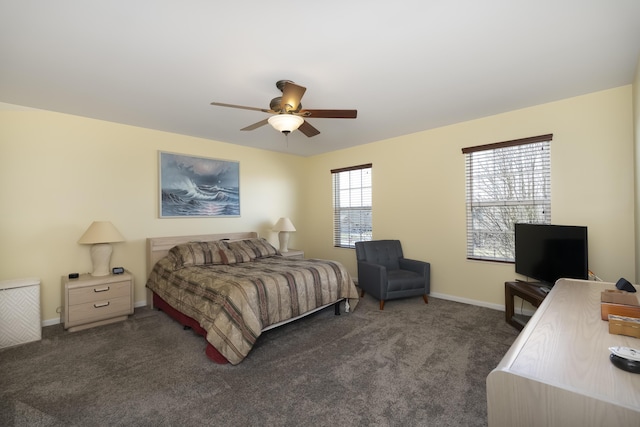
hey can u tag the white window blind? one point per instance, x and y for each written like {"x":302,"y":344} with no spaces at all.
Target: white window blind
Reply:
{"x":507,"y":182}
{"x":352,"y":205}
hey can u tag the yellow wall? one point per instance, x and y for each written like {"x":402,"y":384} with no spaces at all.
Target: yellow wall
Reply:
{"x":419,"y":190}
{"x":636,"y":122}
{"x":58,"y":173}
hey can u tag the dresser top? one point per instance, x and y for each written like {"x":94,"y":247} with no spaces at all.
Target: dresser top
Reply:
{"x":566,"y":344}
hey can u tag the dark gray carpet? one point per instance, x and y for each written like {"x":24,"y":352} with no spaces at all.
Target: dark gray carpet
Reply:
{"x":411,"y":365}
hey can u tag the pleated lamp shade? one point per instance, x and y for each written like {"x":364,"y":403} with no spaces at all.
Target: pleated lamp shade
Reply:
{"x":100,"y":235}
{"x":284,"y":226}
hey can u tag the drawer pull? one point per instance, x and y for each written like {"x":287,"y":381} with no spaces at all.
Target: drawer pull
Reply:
{"x":106,"y":304}
{"x":101,"y":290}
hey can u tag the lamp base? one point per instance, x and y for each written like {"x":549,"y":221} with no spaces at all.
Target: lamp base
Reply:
{"x":283,"y":237}
{"x":101,"y":258}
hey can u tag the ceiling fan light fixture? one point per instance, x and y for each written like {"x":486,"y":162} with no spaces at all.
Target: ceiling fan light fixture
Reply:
{"x":285,"y":123}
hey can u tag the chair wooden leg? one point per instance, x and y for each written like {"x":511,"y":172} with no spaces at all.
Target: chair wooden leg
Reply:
{"x":381,"y":304}
{"x":424,"y":297}
{"x":361,"y":293}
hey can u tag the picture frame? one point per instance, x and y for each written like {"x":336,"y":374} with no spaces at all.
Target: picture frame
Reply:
{"x":196,"y":187}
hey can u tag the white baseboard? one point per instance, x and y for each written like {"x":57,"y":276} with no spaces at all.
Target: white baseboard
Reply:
{"x":56,"y":321}
{"x":467,"y":301}
{"x":526,"y":312}
{"x":50,"y":322}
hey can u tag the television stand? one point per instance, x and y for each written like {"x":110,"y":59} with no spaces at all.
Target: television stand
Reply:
{"x":538,"y":284}
{"x":533,"y":293}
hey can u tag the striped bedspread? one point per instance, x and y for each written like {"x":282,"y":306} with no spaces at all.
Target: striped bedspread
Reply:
{"x":234,"y":303}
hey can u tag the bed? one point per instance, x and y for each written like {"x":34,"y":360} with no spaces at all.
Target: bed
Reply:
{"x":232,"y":287}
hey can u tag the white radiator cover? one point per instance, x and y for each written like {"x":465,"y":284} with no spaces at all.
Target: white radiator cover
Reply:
{"x":20,"y":319}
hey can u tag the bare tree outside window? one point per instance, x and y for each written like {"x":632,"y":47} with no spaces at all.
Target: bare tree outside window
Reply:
{"x":352,"y":205}
{"x":507,"y":183}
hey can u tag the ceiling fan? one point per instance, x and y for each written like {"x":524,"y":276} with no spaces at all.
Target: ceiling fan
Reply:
{"x":288,"y":114}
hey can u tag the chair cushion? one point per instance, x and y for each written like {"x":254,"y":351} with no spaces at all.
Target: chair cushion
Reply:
{"x":382,"y":252}
{"x":403,"y":280}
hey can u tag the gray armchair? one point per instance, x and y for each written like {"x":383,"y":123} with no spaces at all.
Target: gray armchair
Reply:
{"x":384,"y":273}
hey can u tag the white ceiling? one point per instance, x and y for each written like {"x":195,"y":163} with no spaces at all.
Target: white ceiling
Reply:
{"x":406,"y":66}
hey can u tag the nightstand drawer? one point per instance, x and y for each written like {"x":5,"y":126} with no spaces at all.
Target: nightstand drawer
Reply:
{"x":100,"y":292}
{"x":100,"y":309}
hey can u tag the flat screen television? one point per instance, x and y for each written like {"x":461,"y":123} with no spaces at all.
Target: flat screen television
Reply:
{"x":548,"y":252}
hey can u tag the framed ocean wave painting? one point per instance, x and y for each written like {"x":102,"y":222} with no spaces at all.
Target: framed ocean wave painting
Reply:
{"x":198,"y":186}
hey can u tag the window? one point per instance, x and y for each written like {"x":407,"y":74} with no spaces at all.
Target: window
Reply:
{"x":507,"y":182}
{"x":351,"y":205}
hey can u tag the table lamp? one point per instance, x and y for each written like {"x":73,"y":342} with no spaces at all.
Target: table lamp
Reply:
{"x":100,"y":235}
{"x":284,"y":226}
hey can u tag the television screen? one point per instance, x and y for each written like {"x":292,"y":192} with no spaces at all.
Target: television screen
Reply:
{"x":548,"y":252}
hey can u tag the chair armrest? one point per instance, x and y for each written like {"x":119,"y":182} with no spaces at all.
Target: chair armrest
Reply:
{"x":420,"y":267}
{"x":372,"y":278}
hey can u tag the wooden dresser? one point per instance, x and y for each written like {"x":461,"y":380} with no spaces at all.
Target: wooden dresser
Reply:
{"x":558,"y":373}
{"x":92,"y":301}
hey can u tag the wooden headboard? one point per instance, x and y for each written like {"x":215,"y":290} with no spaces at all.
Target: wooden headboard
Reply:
{"x":158,"y":247}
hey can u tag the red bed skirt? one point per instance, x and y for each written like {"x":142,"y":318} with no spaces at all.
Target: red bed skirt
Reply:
{"x":211,"y":352}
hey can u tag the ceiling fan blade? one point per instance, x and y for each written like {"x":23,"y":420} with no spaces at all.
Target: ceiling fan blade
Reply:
{"x":291,"y":95}
{"x":308,"y":130}
{"x":256,"y":125}
{"x":329,"y":114}
{"x":242,"y":107}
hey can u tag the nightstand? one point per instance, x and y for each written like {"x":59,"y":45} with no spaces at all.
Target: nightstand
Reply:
{"x":92,"y":301}
{"x":293,"y":253}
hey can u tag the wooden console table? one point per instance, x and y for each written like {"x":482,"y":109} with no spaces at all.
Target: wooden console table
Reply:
{"x":530,"y":293}
{"x":558,"y":373}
